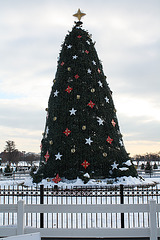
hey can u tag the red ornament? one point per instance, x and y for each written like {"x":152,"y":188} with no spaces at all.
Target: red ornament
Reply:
{"x":67,"y":132}
{"x":87,"y":51}
{"x":85,"y":164}
{"x":69,"y":89}
{"x":79,"y":36}
{"x":46,"y":156}
{"x":57,"y":179}
{"x":113,"y":123}
{"x":99,"y":70}
{"x":62,"y":63}
{"x":91,"y":104}
{"x":76,"y":76}
{"x":109,"y":140}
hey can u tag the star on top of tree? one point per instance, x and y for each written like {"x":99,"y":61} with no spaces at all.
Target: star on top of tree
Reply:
{"x":79,"y":14}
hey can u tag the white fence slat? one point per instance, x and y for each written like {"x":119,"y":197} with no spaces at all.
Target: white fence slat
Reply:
{"x":78,"y":208}
{"x":153,"y":223}
{"x":158,"y":207}
{"x":12,"y":208}
{"x":92,"y":233}
{"x":6,"y":231}
{"x":20,"y":217}
{"x":31,"y":236}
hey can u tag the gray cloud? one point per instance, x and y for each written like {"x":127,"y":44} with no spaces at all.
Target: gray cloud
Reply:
{"x":127,"y":36}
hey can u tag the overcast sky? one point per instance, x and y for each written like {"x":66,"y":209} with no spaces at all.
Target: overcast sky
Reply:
{"x":127,"y":35}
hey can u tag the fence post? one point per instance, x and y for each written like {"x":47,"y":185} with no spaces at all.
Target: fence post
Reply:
{"x":122,"y":202}
{"x":41,"y":202}
{"x":153,"y":222}
{"x":20,"y":217}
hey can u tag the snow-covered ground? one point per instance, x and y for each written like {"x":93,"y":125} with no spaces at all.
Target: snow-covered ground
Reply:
{"x":131,"y":181}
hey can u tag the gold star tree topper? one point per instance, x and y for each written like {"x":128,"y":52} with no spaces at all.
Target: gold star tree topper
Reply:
{"x":79,"y":14}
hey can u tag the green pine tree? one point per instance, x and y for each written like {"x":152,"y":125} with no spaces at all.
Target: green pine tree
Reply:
{"x":155,"y":166}
{"x":82,"y":134}
{"x":148,"y":168}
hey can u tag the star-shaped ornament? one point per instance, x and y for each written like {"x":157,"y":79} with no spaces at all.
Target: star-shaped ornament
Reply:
{"x":79,"y":36}
{"x":62,"y":63}
{"x":91,"y":104}
{"x":107,"y":100}
{"x":46,"y":156}
{"x":114,"y":165}
{"x":88,"y":141}
{"x":113,"y":123}
{"x":69,"y":46}
{"x":85,"y":164}
{"x":58,"y":156}
{"x":94,"y":63}
{"x":69,"y":89}
{"x":89,"y":71}
{"x":72,"y":111}
{"x":99,"y":70}
{"x":79,"y":14}
{"x":109,"y":140}
{"x":87,"y":51}
{"x":56,"y":93}
{"x":57,"y":179}
{"x":67,"y":132}
{"x":100,"y":83}
{"x":75,"y":57}
{"x":100,"y":121}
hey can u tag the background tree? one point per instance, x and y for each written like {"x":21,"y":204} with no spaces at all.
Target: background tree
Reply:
{"x":142,"y":166}
{"x":148,"y":168}
{"x":151,"y":157}
{"x":10,"y":154}
{"x":30,"y":158}
{"x":155,"y":166}
{"x":8,"y":171}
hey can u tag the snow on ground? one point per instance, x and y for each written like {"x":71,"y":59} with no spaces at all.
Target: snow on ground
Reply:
{"x":132,"y":181}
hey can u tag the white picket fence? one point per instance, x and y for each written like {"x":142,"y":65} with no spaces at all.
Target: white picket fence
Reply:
{"x":153,"y":231}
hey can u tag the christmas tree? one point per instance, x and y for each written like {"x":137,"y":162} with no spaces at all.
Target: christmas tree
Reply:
{"x":82,"y":136}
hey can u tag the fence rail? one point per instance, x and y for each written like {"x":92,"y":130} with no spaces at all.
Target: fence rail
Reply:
{"x":76,"y":230}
